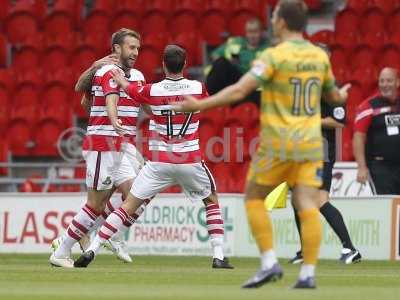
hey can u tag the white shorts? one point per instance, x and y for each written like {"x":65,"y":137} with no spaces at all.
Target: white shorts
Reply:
{"x":195,"y":180}
{"x":105,"y":169}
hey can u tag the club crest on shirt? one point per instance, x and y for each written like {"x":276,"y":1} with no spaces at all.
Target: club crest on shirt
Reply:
{"x":107,"y":181}
{"x":112,"y":83}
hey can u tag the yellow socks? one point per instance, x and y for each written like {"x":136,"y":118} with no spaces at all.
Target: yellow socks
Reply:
{"x":311,"y":235}
{"x":260,"y":224}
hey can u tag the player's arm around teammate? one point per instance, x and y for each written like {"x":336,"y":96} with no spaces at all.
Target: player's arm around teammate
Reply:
{"x":84,"y":83}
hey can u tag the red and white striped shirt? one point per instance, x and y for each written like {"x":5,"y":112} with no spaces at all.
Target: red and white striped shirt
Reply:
{"x":174,"y":137}
{"x":100,"y":135}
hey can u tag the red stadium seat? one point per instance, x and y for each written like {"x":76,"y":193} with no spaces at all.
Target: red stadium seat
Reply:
{"x":27,"y":112}
{"x":46,"y":135}
{"x":26,"y":94}
{"x":389,"y":57}
{"x":159,"y":6}
{"x":4,"y":107}
{"x":26,"y":58}
{"x":234,"y":134}
{"x":156,"y":22}
{"x":3,"y":50}
{"x":217,"y":116}
{"x":59,"y":23}
{"x":394,"y":22}
{"x":148,"y":61}
{"x":126,"y":19}
{"x":314,"y":4}
{"x":356,"y":96}
{"x":134,"y":6}
{"x":191,"y":42}
{"x":347,"y":20}
{"x":251,"y":139}
{"x":29,"y":80}
{"x":55,"y":58}
{"x":358,"y":6}
{"x":347,"y":39}
{"x":347,"y":149}
{"x":247,"y":113}
{"x":54,"y":94}
{"x":19,"y":137}
{"x":362,"y":55}
{"x":99,"y":41}
{"x":59,"y":112}
{"x":21,"y":26}
{"x":339,"y":56}
{"x":207,"y":132}
{"x":221,"y":6}
{"x":30,"y":185}
{"x":5,"y":10}
{"x":4,"y":156}
{"x":373,"y":20}
{"x":183,"y":22}
{"x":375,"y":39}
{"x":387,"y":6}
{"x":102,"y":7}
{"x":66,"y":41}
{"x":367,"y":76}
{"x":191,"y":6}
{"x":323,"y":36}
{"x":213,"y":27}
{"x":72,"y":8}
{"x":156,"y":41}
{"x":221,"y":175}
{"x":99,"y":20}
{"x":83,"y":57}
{"x":252,"y":6}
{"x":63,"y":76}
{"x":80,"y":172}
{"x":238,"y":21}
{"x":37,"y":8}
{"x":7,"y":79}
{"x":341,"y":72}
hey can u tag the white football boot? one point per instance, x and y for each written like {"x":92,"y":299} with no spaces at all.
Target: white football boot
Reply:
{"x":117,"y":246}
{"x":64,"y":261}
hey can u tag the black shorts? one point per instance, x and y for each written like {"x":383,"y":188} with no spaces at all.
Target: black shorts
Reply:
{"x":327,"y":176}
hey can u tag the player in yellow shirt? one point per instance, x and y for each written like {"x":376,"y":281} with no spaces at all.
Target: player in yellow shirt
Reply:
{"x":293,"y":76}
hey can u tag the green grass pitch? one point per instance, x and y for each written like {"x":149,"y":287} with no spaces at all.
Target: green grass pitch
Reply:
{"x":161,"y":277}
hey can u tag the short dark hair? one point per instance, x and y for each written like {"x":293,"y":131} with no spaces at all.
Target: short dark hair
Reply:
{"x":174,"y":58}
{"x":118,"y":37}
{"x":294,"y":13}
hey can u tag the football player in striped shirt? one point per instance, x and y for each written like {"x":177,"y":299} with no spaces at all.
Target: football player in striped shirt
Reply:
{"x":175,"y":156}
{"x":111,"y":161}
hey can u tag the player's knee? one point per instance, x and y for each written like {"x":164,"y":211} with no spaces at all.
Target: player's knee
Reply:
{"x":125,"y":187}
{"x":323,"y":197}
{"x":213,"y":198}
{"x":131,"y":204}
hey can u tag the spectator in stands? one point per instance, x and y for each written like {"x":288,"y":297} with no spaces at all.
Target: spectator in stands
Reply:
{"x":376,"y":140}
{"x":233,"y":59}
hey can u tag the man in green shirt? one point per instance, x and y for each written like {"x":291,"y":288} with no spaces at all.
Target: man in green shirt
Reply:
{"x":233,"y":59}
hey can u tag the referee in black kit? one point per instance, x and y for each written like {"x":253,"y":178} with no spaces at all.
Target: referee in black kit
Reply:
{"x":332,"y":118}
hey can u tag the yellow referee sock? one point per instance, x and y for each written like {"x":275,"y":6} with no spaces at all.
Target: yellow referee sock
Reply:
{"x":311,"y":235}
{"x":260,"y":224}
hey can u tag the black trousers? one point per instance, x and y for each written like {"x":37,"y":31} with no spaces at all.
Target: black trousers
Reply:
{"x":386,"y":177}
{"x":327,"y":176}
{"x":224,"y":73}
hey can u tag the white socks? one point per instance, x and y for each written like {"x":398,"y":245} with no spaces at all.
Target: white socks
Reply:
{"x":268,"y":259}
{"x":306,"y":271}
